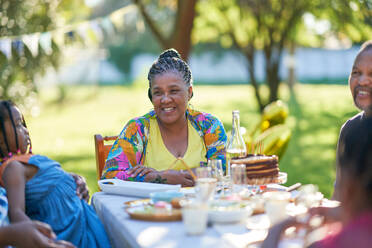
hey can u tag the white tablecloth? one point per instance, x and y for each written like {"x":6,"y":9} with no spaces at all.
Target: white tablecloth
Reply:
{"x":125,"y":232}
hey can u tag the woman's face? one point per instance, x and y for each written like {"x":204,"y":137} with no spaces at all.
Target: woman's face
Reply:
{"x":170,"y":96}
{"x":360,"y":81}
{"x":22,"y":133}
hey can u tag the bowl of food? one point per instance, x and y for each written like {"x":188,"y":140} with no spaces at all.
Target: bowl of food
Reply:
{"x":225,"y":211}
{"x":165,"y":196}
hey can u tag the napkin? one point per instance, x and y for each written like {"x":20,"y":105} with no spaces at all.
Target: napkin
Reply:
{"x":137,"y":189}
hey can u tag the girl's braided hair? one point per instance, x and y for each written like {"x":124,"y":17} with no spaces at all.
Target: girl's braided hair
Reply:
{"x":169,"y":61}
{"x":356,"y":153}
{"x":6,"y":114}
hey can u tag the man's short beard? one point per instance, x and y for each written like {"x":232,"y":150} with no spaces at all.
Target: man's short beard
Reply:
{"x":367,"y":110}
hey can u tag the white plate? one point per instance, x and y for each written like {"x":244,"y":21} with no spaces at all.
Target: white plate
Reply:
{"x":137,"y":189}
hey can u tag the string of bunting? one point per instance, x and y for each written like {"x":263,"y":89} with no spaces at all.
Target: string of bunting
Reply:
{"x":89,"y":32}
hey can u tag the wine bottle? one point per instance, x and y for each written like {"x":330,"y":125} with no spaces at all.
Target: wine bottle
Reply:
{"x":235,"y":146}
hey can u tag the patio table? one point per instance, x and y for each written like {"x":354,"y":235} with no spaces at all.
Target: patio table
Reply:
{"x":126,"y":232}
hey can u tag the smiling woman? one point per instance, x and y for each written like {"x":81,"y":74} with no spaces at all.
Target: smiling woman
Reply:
{"x":160,"y":145}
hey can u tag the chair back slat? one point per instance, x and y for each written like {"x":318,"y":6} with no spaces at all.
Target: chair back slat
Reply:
{"x":102,"y":151}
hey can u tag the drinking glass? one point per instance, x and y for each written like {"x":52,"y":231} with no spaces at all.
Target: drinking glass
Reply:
{"x":217,"y":172}
{"x":195,"y":217}
{"x":216,"y":168}
{"x":205,"y":184}
{"x":239,"y":177}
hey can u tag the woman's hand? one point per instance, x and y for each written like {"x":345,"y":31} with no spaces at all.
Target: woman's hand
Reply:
{"x":82,"y":190}
{"x":178,"y":177}
{"x":31,"y":234}
{"x":140,"y":170}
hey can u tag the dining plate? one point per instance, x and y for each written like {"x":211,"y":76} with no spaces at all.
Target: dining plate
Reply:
{"x":150,"y":213}
{"x":137,"y":189}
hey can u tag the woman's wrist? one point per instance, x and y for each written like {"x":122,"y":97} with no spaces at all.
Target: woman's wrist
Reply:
{"x":152,"y":176}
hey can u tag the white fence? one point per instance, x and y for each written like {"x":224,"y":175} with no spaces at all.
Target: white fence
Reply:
{"x":313,"y":64}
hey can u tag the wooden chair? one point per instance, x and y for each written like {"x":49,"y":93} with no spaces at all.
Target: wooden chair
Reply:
{"x":102,"y":151}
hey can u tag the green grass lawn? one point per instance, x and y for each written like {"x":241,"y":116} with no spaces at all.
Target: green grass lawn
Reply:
{"x":65,"y":131}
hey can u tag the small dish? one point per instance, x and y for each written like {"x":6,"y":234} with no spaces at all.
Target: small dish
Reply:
{"x":228,"y":211}
{"x":166,"y":196}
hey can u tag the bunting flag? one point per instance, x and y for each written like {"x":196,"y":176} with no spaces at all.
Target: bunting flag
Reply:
{"x":81,"y":30}
{"x":18,"y":46}
{"x":6,"y":47}
{"x":90,"y":32}
{"x":32,"y":43}
{"x":46,"y":42}
{"x":97,"y":30}
{"x":107,"y":26}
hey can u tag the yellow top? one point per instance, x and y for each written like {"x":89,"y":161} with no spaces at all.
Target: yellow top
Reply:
{"x":160,"y":158}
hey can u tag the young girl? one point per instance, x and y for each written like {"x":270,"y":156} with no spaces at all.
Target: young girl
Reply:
{"x":39,"y":189}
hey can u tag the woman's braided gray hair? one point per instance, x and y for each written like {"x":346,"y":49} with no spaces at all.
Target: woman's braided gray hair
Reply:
{"x":169,"y":61}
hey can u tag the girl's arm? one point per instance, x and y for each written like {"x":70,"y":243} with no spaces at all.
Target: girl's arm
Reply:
{"x":14,"y":178}
{"x":30,"y":234}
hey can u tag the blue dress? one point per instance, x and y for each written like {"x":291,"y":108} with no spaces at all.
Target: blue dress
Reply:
{"x":51,"y":198}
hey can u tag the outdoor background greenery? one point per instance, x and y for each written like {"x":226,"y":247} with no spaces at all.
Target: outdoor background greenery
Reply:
{"x":316,"y":115}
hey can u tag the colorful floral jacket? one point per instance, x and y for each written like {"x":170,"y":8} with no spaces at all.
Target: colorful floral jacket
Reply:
{"x":129,"y":149}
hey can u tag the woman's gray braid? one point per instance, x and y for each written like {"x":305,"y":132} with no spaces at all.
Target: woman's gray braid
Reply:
{"x":169,"y":61}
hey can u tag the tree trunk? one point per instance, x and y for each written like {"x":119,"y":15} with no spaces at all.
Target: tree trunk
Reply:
{"x":272,"y":61}
{"x":250,"y":59}
{"x":273,"y":82}
{"x":181,"y":36}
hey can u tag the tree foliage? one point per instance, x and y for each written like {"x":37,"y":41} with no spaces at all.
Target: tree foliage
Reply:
{"x":17,"y":18}
{"x":272,"y":25}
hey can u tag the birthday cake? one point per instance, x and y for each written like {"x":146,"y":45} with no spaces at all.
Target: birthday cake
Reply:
{"x":259,"y":166}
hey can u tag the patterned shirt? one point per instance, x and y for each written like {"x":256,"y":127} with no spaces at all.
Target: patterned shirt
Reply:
{"x":4,"y":220}
{"x":130,"y":147}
